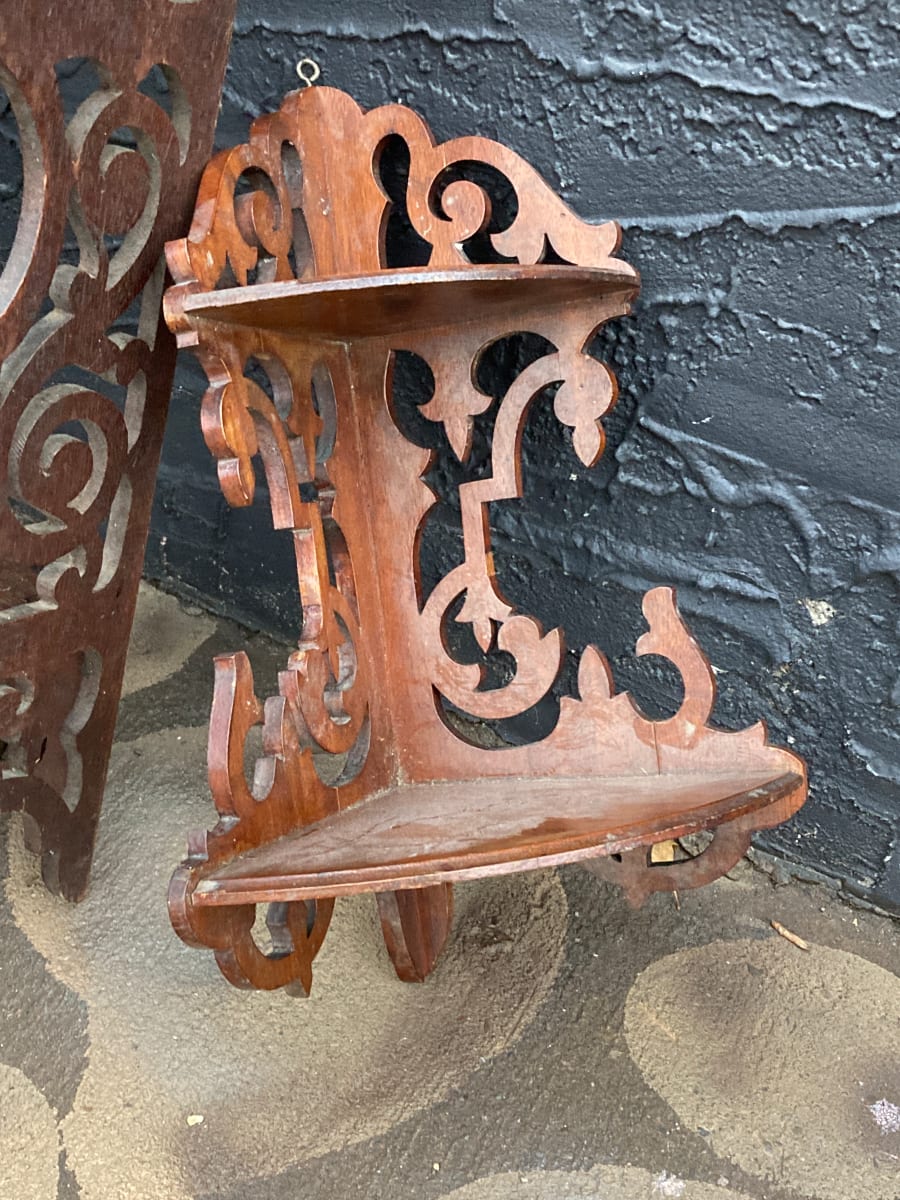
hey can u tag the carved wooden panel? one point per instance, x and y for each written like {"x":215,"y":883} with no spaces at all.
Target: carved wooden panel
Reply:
{"x":114,"y":111}
{"x":287,"y":292}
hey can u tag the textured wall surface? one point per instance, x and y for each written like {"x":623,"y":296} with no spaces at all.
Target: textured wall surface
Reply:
{"x":751,"y":154}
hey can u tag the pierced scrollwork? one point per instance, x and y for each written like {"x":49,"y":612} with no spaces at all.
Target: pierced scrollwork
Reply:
{"x":304,"y":204}
{"x":296,"y":931}
{"x":291,"y":424}
{"x":275,"y":208}
{"x":639,"y":876}
{"x":83,"y":387}
{"x":282,"y":410}
{"x":286,"y":791}
{"x":40,"y":721}
{"x":586,"y":392}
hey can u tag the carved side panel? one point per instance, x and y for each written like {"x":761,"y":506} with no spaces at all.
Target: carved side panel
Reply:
{"x":303,"y":199}
{"x":85,"y":371}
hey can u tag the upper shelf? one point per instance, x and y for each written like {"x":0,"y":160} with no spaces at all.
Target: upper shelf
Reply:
{"x":415,"y":298}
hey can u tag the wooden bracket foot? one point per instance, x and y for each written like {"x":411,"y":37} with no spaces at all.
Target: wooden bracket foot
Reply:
{"x":415,"y":925}
{"x":639,"y":877}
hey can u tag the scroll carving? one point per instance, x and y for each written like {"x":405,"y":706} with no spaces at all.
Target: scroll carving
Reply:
{"x":639,"y":877}
{"x":83,"y":392}
{"x":307,"y":190}
{"x":303,"y":192}
{"x":303,"y":202}
{"x":587,"y":391}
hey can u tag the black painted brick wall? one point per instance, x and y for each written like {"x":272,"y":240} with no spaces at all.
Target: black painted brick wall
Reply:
{"x":751,"y":153}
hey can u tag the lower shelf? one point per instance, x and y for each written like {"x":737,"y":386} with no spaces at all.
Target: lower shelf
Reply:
{"x":418,"y":835}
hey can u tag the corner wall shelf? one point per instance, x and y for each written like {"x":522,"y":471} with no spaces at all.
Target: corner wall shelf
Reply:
{"x":366,"y":782}
{"x":408,"y":300}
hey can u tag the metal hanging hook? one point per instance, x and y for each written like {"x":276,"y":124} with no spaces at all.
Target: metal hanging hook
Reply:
{"x":308,"y":70}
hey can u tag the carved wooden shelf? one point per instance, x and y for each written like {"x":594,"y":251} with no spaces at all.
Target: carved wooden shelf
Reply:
{"x":427,"y":833}
{"x":393,"y":303}
{"x":285,"y":289}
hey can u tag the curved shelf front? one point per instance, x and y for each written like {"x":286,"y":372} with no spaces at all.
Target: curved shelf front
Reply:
{"x":418,"y":835}
{"x":345,"y":308}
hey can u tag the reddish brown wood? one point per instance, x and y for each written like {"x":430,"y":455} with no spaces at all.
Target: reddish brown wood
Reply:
{"x":292,"y":276}
{"x":416,"y":835}
{"x":394,"y":303}
{"x":83,"y":395}
{"x":415,"y":924}
{"x":639,"y":877}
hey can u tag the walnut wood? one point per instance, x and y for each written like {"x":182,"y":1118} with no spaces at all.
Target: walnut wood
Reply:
{"x":420,"y":834}
{"x":412,"y":299}
{"x":286,"y":270}
{"x":639,"y":877}
{"x":415,"y":925}
{"x":83,"y":388}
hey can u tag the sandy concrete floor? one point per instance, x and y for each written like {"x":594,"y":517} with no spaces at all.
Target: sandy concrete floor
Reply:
{"x":565,"y":1046}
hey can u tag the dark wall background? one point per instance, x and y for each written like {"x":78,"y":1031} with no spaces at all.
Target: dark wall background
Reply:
{"x":751,"y":153}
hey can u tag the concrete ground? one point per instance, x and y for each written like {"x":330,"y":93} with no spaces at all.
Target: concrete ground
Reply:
{"x":564,"y":1047}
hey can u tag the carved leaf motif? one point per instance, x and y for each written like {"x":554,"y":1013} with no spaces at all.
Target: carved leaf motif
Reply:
{"x":594,"y":675}
{"x":669,"y":636}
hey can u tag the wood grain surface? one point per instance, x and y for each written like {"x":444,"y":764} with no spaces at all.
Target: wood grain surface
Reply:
{"x":115,"y":112}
